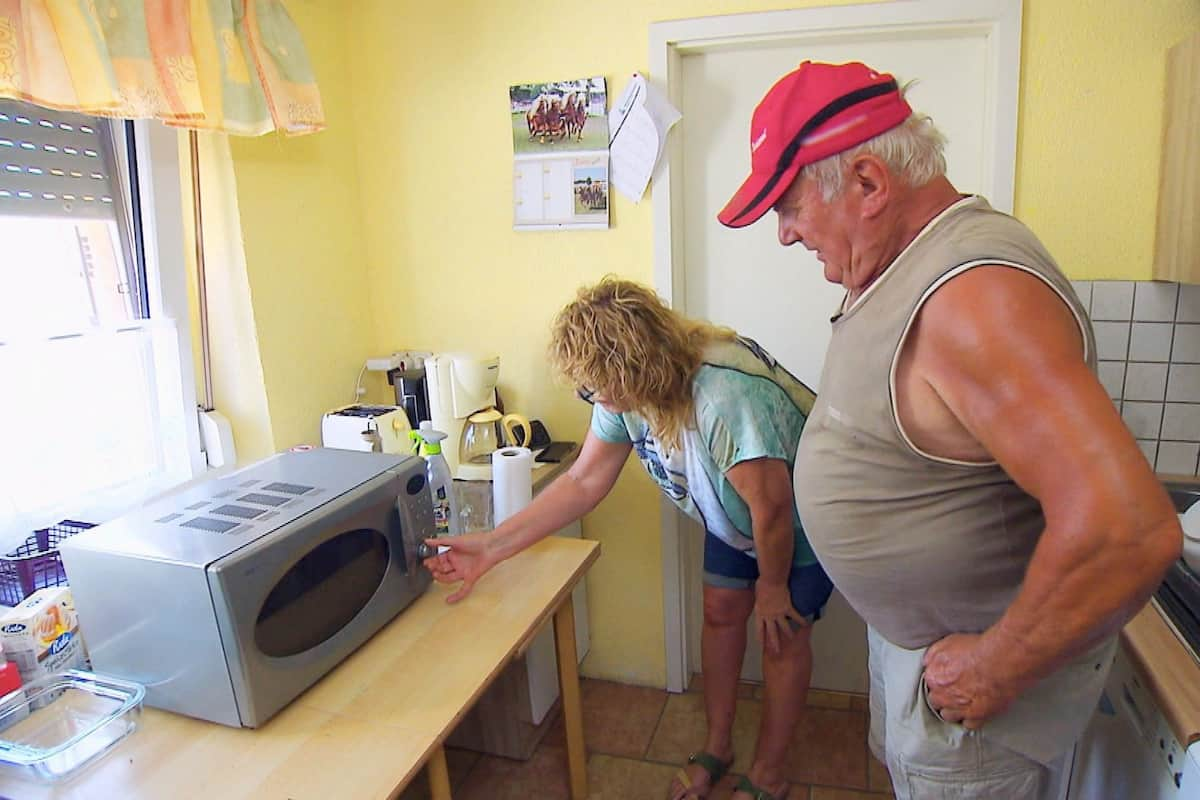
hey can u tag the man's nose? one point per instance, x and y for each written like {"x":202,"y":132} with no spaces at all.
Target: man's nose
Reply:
{"x":788,"y":235}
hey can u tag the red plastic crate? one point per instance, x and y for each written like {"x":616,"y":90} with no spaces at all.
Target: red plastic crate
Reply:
{"x":36,"y":564}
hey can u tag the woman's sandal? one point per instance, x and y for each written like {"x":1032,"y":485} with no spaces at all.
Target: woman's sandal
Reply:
{"x":715,"y":767}
{"x":744,"y":785}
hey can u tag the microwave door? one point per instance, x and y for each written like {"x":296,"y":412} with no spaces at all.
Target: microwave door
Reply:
{"x":293,"y":604}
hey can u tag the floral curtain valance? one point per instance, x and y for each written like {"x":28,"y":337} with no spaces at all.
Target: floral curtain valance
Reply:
{"x":236,"y":66}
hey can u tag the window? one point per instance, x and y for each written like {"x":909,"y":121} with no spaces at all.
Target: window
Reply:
{"x":95,"y":414}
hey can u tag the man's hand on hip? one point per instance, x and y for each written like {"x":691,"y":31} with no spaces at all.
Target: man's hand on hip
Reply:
{"x":962,"y":686}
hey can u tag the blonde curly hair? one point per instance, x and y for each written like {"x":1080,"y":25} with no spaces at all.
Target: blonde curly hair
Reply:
{"x":618,"y":338}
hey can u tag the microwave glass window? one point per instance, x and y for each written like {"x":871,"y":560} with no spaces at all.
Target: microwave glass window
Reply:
{"x":319,"y":596}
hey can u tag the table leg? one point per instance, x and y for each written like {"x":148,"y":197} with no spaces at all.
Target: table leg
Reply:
{"x":439,"y":775}
{"x":568,"y":681}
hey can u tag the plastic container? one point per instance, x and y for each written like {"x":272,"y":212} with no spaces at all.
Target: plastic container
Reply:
{"x":36,"y":564}
{"x":441,"y":483}
{"x":85,"y":715}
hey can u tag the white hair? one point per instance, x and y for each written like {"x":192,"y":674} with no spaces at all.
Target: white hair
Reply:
{"x":911,"y":150}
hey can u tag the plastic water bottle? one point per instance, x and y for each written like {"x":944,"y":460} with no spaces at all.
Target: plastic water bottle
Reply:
{"x":441,"y":484}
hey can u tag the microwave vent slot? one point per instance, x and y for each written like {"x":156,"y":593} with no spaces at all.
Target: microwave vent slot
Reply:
{"x":250,"y":483}
{"x":211,"y":524}
{"x":169,"y":518}
{"x":242,"y":512}
{"x":287,"y":488}
{"x":264,"y":499}
{"x":195,"y":506}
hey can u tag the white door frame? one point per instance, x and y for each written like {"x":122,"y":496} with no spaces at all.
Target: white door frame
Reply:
{"x":998,"y":20}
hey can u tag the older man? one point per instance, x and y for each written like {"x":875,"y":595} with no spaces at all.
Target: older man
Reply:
{"x":963,"y":477}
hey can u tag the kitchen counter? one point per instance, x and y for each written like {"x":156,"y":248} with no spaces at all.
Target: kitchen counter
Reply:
{"x":368,"y":726}
{"x":544,"y":474}
{"x":1167,"y":665}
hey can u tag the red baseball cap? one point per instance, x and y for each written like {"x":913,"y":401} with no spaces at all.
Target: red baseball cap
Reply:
{"x":811,"y":113}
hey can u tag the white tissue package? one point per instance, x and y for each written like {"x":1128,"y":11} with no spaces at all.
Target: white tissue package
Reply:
{"x":41,"y":634}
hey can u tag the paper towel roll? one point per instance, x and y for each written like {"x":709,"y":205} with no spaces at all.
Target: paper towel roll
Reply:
{"x":512,"y":482}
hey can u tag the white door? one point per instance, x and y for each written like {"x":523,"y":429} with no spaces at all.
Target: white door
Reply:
{"x":777,"y":296}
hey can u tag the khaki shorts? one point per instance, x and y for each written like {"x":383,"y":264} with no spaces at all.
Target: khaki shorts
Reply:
{"x":1023,"y":754}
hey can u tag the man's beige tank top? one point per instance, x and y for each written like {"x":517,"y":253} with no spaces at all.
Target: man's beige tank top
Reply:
{"x":920,"y":546}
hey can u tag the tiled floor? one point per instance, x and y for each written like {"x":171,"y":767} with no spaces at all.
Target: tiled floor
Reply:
{"x":637,"y":738}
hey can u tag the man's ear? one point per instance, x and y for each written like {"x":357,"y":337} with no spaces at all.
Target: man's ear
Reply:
{"x":871,"y":182}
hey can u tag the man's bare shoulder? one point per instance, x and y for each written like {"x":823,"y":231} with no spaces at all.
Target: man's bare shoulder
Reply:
{"x":986,"y":339}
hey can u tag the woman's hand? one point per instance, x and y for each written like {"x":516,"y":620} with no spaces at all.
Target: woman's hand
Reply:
{"x":466,"y":559}
{"x":774,"y":613}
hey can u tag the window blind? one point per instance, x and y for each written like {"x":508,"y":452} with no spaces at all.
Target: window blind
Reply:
{"x":56,"y":164}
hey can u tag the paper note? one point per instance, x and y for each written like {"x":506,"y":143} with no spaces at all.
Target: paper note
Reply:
{"x":638,"y":123}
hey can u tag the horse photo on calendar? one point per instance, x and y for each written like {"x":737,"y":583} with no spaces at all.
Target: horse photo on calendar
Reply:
{"x":559,"y":116}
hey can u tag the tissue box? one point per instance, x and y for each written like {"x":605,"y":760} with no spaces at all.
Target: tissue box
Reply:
{"x":41,"y":635}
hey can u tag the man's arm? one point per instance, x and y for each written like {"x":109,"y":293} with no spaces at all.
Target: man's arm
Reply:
{"x":766,"y":487}
{"x":1004,"y":354}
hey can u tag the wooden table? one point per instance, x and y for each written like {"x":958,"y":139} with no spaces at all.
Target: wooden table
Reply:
{"x":371,"y":723}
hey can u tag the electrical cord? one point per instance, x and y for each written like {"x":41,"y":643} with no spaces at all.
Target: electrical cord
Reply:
{"x":358,"y":387}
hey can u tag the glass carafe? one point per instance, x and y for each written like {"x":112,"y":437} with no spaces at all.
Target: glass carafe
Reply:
{"x":485,"y":432}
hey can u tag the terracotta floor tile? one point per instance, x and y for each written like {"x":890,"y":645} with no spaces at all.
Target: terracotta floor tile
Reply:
{"x":825,"y":699}
{"x":878,"y":779}
{"x":745,"y":691}
{"x":681,"y":731}
{"x":822,"y":699}
{"x":829,"y":748}
{"x":459,"y":762}
{"x":543,"y":776}
{"x":827,"y":793}
{"x":618,"y":720}
{"x":612,"y":778}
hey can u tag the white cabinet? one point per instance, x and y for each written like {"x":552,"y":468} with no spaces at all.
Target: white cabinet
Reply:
{"x":1128,"y":750}
{"x":541,"y":664}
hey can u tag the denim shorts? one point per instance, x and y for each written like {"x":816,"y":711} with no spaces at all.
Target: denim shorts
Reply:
{"x":727,"y":567}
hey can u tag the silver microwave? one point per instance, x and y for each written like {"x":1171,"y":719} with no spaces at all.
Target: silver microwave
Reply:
{"x":228,"y":599}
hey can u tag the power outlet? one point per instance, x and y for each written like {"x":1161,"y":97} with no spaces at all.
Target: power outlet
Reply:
{"x":384,"y":363}
{"x":401,"y":359}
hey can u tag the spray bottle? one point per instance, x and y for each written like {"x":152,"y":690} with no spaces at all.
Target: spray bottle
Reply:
{"x":441,"y":483}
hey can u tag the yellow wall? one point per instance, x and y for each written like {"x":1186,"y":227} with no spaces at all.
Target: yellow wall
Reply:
{"x":1090,"y":128}
{"x":299,"y":201}
{"x":409,"y":193}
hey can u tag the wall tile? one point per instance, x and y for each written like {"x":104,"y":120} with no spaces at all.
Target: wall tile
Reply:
{"x":1184,"y":383}
{"x":1143,"y":419}
{"x":1112,"y":375}
{"x":1112,"y":300}
{"x":1150,"y":341}
{"x":1112,"y":340}
{"x":1181,"y":422}
{"x":1177,"y":457}
{"x":1189,"y":303}
{"x":1187,"y":344}
{"x":1149,"y":450}
{"x":1145,"y":381}
{"x":1154,"y":301}
{"x":1084,"y":290}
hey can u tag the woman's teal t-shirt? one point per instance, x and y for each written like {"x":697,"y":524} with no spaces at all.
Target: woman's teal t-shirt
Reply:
{"x":747,"y":406}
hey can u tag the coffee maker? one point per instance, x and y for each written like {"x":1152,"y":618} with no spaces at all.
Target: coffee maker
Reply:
{"x":458,"y":386}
